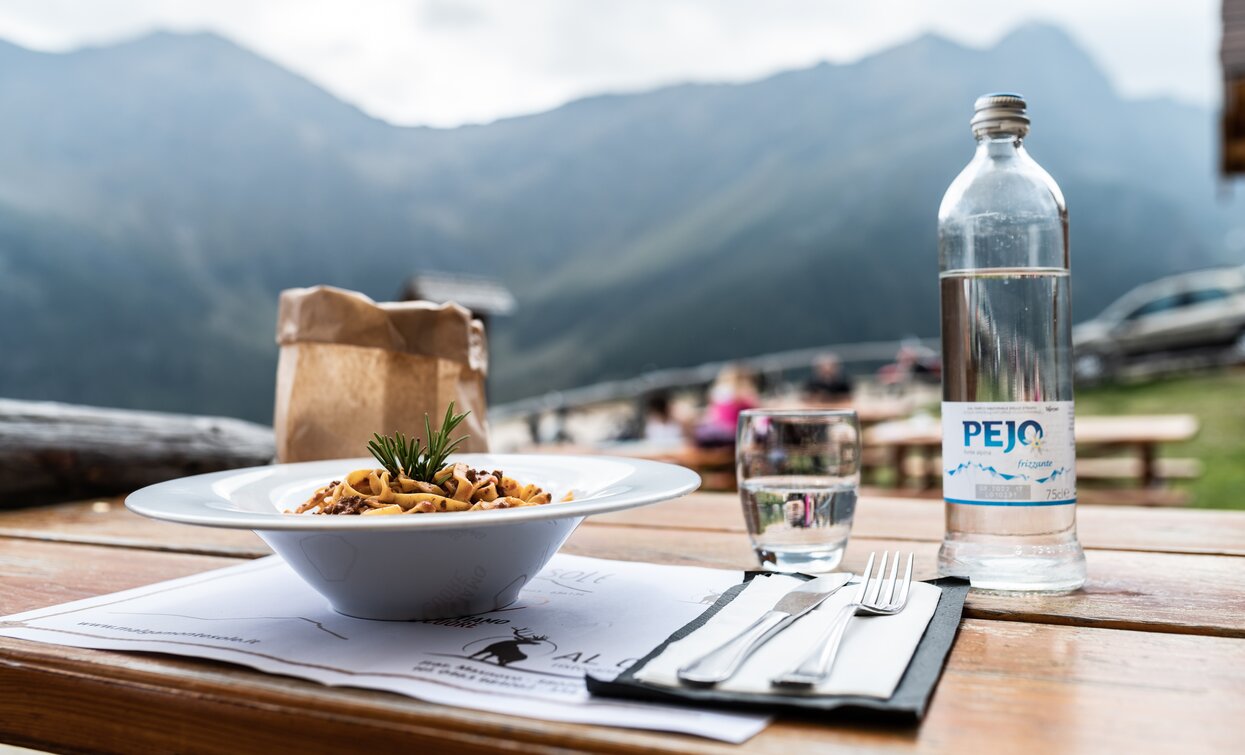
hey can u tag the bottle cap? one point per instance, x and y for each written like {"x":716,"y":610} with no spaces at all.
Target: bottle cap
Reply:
{"x":1000,"y":114}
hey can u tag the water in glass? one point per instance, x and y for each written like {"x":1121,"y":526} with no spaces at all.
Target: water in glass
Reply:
{"x":798,"y":477}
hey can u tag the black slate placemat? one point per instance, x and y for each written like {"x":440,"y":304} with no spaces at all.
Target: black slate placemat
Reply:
{"x":907,"y":705}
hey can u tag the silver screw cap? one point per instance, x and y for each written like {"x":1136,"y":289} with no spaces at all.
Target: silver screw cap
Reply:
{"x":1000,"y":114}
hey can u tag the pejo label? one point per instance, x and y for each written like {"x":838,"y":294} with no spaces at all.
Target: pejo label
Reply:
{"x":1008,"y":453}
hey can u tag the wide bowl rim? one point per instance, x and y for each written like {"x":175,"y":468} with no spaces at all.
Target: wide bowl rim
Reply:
{"x":186,"y":500}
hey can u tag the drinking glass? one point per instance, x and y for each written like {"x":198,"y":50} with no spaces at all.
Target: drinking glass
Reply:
{"x":798,"y":472}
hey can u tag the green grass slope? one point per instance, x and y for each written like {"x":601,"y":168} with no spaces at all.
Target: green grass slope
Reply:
{"x":1217,"y":399}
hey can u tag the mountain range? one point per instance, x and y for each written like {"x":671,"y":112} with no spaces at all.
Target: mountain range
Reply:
{"x":155,"y":195}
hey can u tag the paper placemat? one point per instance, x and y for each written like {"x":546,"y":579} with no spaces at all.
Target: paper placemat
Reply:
{"x":907,"y":705}
{"x":528,"y":659}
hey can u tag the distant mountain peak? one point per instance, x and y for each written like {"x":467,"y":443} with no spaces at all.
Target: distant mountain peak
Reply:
{"x":1041,"y":33}
{"x":184,"y":45}
{"x":1052,"y":59}
{"x":932,"y":40}
{"x":161,"y":37}
{"x":1047,"y":41}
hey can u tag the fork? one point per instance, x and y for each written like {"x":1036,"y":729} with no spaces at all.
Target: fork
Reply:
{"x":884,"y":597}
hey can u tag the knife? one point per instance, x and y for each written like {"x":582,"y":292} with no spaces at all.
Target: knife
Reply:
{"x":722,"y":663}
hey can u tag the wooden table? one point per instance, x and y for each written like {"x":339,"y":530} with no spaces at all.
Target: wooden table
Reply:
{"x":1139,"y":434}
{"x":1150,"y":656}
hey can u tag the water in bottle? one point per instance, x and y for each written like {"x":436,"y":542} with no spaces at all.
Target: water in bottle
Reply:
{"x":1009,"y":457}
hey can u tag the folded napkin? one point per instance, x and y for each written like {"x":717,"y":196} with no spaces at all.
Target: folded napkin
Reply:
{"x":888,"y":666}
{"x":874,"y":654}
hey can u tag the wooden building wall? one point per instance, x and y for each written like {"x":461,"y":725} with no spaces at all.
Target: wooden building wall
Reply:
{"x":1233,"y":55}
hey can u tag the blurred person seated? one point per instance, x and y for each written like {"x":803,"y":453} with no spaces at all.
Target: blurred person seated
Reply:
{"x":733,"y":391}
{"x":914,"y":363}
{"x":660,"y":424}
{"x":828,"y":384}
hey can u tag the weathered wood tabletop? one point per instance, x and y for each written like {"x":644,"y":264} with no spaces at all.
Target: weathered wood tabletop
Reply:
{"x":1150,"y":656}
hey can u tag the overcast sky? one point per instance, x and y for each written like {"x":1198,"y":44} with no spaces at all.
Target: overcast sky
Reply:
{"x":446,"y":62}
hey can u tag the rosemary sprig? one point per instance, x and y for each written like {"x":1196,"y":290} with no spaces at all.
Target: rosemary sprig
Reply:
{"x":401,"y":456}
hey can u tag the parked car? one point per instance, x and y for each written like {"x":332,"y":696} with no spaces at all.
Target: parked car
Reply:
{"x":1199,"y":311}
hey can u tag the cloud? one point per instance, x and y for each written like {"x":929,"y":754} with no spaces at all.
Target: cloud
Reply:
{"x":451,"y":14}
{"x":446,"y":62}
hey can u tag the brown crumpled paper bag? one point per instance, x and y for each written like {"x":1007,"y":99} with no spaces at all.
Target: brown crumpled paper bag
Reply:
{"x":350,"y":367}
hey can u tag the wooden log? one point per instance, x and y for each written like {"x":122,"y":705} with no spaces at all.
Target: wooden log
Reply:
{"x":51,"y":451}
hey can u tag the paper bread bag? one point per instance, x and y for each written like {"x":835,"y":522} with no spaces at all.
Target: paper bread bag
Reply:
{"x":350,"y":367}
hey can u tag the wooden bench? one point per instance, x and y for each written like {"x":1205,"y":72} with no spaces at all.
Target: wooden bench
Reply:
{"x":909,"y":450}
{"x":1129,"y":468}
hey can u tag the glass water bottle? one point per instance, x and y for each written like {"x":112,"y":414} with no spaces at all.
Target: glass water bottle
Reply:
{"x":1009,"y":456}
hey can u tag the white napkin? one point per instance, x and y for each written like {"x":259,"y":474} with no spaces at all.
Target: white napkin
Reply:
{"x":871,"y":661}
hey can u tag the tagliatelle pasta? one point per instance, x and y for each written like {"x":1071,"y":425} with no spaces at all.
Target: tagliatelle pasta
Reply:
{"x":371,"y":492}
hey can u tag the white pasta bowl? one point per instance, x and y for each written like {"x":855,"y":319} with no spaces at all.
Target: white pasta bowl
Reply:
{"x":415,"y":566}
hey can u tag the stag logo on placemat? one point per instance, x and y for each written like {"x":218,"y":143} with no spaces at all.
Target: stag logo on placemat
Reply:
{"x":504,"y":651}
